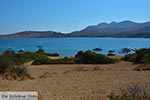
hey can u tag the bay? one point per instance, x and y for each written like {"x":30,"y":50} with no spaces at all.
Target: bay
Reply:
{"x":70,"y":46}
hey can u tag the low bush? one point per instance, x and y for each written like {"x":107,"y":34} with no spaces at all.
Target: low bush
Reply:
{"x":47,"y":54}
{"x":5,"y":64}
{"x":17,"y":72}
{"x":11,"y":65}
{"x":110,"y":54}
{"x":46,"y":60}
{"x":21,"y":58}
{"x":11,"y":62}
{"x":143,"y":67}
{"x":133,"y":92}
{"x":67,"y":60}
{"x":130,"y":57}
{"x":41,"y":60}
{"x":141,"y":56}
{"x":52,"y":54}
{"x":10,"y":70}
{"x":89,"y":57}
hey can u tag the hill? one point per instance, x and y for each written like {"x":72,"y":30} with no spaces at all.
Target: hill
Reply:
{"x":114,"y":29}
{"x":33,"y":34}
{"x":122,"y":29}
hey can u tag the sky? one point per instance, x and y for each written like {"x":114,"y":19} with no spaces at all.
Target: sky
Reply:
{"x":67,"y":15}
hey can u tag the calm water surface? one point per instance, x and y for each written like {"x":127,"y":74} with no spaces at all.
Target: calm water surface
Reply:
{"x":70,"y":46}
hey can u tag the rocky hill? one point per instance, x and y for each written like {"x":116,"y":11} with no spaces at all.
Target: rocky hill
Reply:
{"x":122,"y":29}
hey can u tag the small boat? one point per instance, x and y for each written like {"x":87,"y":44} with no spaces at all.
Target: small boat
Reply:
{"x":21,"y":50}
{"x":133,"y":49}
{"x":39,"y":46}
{"x":40,"y":49}
{"x":125,"y":50}
{"x":111,"y":51}
{"x":97,"y":49}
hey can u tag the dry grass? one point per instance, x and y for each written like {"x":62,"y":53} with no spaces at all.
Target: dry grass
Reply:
{"x":78,"y":82}
{"x":131,"y":92}
{"x":143,"y":67}
{"x":17,"y":73}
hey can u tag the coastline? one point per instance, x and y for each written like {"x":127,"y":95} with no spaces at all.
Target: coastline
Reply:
{"x":73,"y":81}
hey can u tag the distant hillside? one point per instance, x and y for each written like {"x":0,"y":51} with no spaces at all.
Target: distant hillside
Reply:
{"x":114,"y":29}
{"x":33,"y":34}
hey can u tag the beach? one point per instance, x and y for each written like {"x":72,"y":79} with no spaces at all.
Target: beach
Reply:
{"x":78,"y":81}
{"x":75,"y":50}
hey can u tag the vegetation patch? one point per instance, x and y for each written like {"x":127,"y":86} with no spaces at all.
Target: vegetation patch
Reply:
{"x":5,"y":64}
{"x":17,"y":73}
{"x":141,"y":56}
{"x":89,"y":57}
{"x":11,"y":65}
{"x":110,"y":54}
{"x":143,"y":67}
{"x":132,"y":92}
{"x":46,"y":60}
{"x":81,"y":57}
{"x":11,"y":70}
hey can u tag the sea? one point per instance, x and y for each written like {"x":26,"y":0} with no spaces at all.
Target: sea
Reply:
{"x":70,"y":46}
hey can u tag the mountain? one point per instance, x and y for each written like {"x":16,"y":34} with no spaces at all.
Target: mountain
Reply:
{"x":33,"y":34}
{"x":114,"y":29}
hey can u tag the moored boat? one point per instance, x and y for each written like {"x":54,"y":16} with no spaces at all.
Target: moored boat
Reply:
{"x":111,"y":51}
{"x":97,"y":49}
{"x":21,"y":50}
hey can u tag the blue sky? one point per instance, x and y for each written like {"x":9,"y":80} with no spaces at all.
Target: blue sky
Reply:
{"x":67,"y":15}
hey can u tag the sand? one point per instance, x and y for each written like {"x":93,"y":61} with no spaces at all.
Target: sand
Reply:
{"x":78,"y":82}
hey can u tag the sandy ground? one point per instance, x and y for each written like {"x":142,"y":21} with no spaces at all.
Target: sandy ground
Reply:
{"x":78,"y":82}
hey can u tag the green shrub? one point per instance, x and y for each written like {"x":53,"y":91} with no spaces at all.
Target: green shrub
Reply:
{"x":47,"y":54}
{"x":89,"y":57}
{"x":110,"y":54}
{"x":130,"y":57}
{"x":11,"y":65}
{"x":141,"y":56}
{"x":52,"y":54}
{"x":21,"y":58}
{"x":5,"y":64}
{"x":66,"y":60}
{"x":10,"y":70}
{"x":18,"y":58}
{"x":11,"y":62}
{"x":46,"y":60}
{"x":41,"y":60}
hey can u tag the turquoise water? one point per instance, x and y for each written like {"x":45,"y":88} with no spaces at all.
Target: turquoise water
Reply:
{"x":70,"y":46}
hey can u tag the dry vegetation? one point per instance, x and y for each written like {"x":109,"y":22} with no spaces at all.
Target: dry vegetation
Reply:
{"x":95,"y":77}
{"x":79,"y":81}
